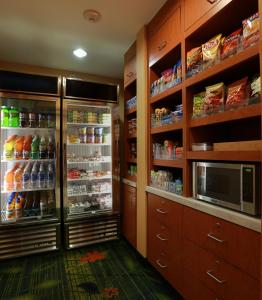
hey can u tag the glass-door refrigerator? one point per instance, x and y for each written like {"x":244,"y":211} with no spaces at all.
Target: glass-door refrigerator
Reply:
{"x":88,"y":192}
{"x":29,"y":176}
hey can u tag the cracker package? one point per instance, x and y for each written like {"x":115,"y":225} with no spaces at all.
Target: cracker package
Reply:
{"x":237,"y":93}
{"x":231,"y":44}
{"x":194,"y":59}
{"x":250,"y":30}
{"x":214,"y":99}
{"x":211,"y":50}
{"x":198,"y":105}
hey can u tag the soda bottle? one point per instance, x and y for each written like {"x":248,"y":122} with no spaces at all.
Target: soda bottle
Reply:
{"x":18,"y":147}
{"x":19,"y":204}
{"x":23,"y":119}
{"x":13,"y":120}
{"x":42,"y":148}
{"x":36,"y":204}
{"x":9,"y":178}
{"x":41,"y":120}
{"x":34,"y":176}
{"x":10,"y":206}
{"x":51,"y":121}
{"x":50,"y":202}
{"x":32,"y":120}
{"x":28,"y":204}
{"x":41,"y":176}
{"x":27,"y":147}
{"x":50,"y":176}
{"x":50,"y":148}
{"x":26,"y":177}
{"x":43,"y":203}
{"x":35,"y":147}
{"x":9,"y":147}
{"x":4,"y":116}
{"x":18,"y":176}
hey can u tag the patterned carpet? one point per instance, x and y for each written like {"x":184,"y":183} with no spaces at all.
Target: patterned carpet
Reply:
{"x":111,"y":270}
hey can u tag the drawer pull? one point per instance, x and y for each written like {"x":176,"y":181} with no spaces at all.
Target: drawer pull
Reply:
{"x":162,"y":45}
{"x":209,"y":273}
{"x":161,"y":211}
{"x":160,"y":237}
{"x":130,"y":74}
{"x":210,"y":235}
{"x":211,"y":1}
{"x":160,"y":265}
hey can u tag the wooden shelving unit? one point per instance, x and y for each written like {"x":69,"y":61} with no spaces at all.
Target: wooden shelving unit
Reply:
{"x":166,"y":93}
{"x":225,"y":155}
{"x":178,"y":163}
{"x":167,"y":128}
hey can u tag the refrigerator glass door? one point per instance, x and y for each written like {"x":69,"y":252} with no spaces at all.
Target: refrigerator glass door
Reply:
{"x":29,"y":179}
{"x":87,"y":160}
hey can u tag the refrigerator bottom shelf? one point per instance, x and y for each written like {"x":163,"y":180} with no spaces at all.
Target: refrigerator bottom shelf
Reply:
{"x":79,"y":211}
{"x":31,"y":215}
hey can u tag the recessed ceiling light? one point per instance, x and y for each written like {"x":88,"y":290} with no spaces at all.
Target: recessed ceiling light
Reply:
{"x":92,"y":15}
{"x":80,"y":53}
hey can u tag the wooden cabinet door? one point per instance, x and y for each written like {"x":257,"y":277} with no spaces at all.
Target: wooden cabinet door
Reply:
{"x":129,"y":214}
{"x":236,"y":244}
{"x":196,"y":9}
{"x":165,"y":37}
{"x":130,"y":71}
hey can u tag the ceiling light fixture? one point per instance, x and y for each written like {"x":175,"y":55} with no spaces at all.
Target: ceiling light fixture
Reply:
{"x":80,"y":53}
{"x":92,"y":15}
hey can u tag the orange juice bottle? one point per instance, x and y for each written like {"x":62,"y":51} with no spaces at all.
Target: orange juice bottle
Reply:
{"x":9,"y":178}
{"x":27,"y":147}
{"x":18,"y":177}
{"x":19,"y":147}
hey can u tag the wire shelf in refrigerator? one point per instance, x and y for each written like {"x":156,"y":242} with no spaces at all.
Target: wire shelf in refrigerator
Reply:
{"x":79,"y":211}
{"x":90,"y":194}
{"x":89,"y":124}
{"x":89,"y":178}
{"x":3,"y":191}
{"x":28,"y":128}
{"x":27,"y":160}
{"x":69,"y":144}
{"x":88,"y":162}
{"x":26,"y":219}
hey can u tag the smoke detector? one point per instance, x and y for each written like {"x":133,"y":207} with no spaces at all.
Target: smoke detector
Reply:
{"x":92,"y":15}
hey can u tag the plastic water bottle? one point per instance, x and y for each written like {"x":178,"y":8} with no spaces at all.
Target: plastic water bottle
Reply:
{"x":26,"y":177}
{"x":50,"y":176}
{"x":41,"y":176}
{"x":179,"y":186}
{"x":34,"y":176}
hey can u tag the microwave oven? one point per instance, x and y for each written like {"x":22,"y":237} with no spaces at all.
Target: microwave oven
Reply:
{"x":232,"y":185}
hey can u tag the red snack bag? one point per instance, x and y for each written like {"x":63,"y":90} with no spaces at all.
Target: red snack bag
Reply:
{"x":214,"y":98}
{"x":237,"y":93}
{"x":231,"y":44}
{"x":250,"y":30}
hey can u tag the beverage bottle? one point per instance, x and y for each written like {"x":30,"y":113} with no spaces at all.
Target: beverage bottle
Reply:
{"x":36,"y":204}
{"x":32,"y":120}
{"x":50,"y":202}
{"x":43,"y":203}
{"x":13,"y":120}
{"x":23,"y":119}
{"x":10,"y":206}
{"x":50,"y":176}
{"x":41,"y":120}
{"x":35,"y":147}
{"x":43,"y":148}
{"x":26,"y":177}
{"x":51,"y":121}
{"x":28,"y":204}
{"x":41,"y":176}
{"x":19,"y":205}
{"x":179,"y":186}
{"x":9,"y":147}
{"x":27,"y":147}
{"x":4,"y":116}
{"x":50,"y":148}
{"x":34,"y":176}
{"x":18,"y":177}
{"x":18,"y":147}
{"x":9,"y":178}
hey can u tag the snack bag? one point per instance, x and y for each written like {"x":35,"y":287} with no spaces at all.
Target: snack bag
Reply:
{"x":231,"y":44}
{"x":198,"y":105}
{"x":211,"y":50}
{"x":179,"y":72}
{"x":214,"y":98}
{"x":237,"y":93}
{"x":255,"y":87}
{"x":167,"y":78}
{"x":250,"y":30}
{"x":194,"y":60}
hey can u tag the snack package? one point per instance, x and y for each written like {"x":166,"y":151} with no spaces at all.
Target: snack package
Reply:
{"x":231,"y":44}
{"x":237,"y":93}
{"x":179,"y":72}
{"x":194,"y":60}
{"x":255,"y":87}
{"x":198,"y":105}
{"x":250,"y":30}
{"x":211,"y":50}
{"x":214,"y":98}
{"x":166,"y":78}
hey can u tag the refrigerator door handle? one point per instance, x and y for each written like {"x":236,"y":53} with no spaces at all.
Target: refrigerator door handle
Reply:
{"x":65,"y":156}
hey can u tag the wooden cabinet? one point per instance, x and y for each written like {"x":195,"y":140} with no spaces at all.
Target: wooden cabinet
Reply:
{"x":129,"y":214}
{"x":164,"y":240}
{"x":195,"y":9}
{"x":130,"y":65}
{"x":164,"y":35}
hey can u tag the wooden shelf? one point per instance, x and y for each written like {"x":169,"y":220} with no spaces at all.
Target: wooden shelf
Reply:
{"x":166,"y":93}
{"x":133,"y":136}
{"x":253,"y":110}
{"x":225,"y":155}
{"x":131,"y":178}
{"x":131,"y":161}
{"x":130,"y":111}
{"x":178,"y":163}
{"x":224,"y":65}
{"x":166,"y":128}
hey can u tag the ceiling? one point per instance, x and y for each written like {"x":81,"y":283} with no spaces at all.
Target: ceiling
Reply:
{"x":45,"y":33}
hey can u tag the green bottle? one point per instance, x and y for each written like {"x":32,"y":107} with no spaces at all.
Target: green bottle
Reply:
{"x":35,"y":147}
{"x":4,"y":116}
{"x":13,"y":117}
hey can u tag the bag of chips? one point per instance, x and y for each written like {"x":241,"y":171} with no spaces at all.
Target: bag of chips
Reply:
{"x":250,"y":30}
{"x":255,"y":86}
{"x":211,"y":50}
{"x":237,"y":94}
{"x":198,"y":105}
{"x":194,"y":60}
{"x":231,"y":44}
{"x":214,"y":99}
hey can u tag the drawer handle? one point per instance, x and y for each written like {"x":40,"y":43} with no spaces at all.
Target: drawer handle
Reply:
{"x":211,"y":1}
{"x":160,"y":265}
{"x":209,"y":273}
{"x":210,"y":235}
{"x":160,"y":237}
{"x":130,"y":74}
{"x":162,"y":45}
{"x":161,"y":211}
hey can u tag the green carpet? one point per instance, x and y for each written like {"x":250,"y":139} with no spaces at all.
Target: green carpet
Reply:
{"x":111,"y":270}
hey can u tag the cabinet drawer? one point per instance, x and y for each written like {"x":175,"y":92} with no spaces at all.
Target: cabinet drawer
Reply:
{"x":226,"y":281}
{"x":235,"y":244}
{"x":130,"y":71}
{"x":165,"y":37}
{"x":196,"y":9}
